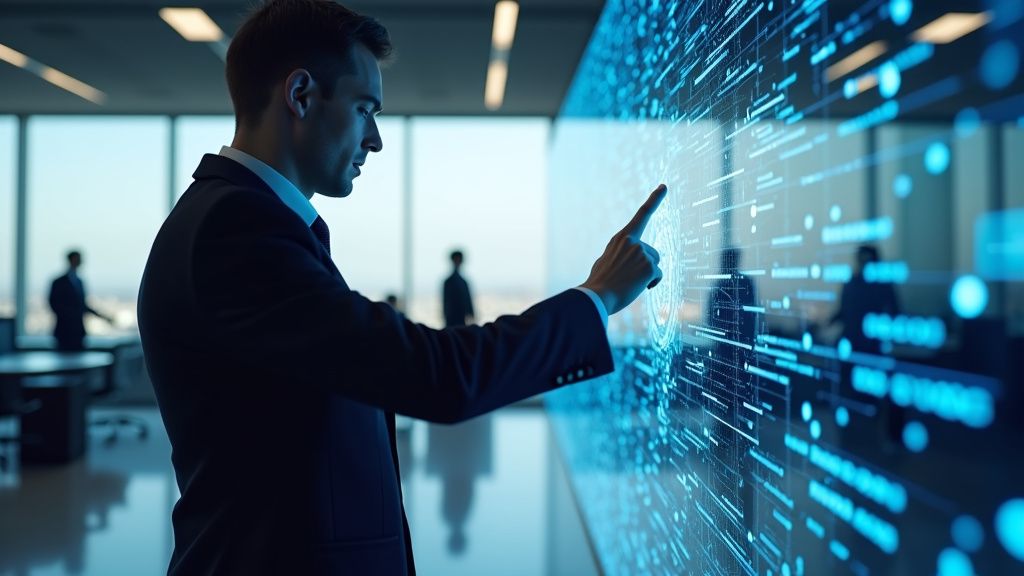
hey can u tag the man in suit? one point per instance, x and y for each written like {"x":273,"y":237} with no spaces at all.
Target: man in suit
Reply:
{"x":458,"y":302}
{"x":277,"y":383}
{"x":67,"y":300}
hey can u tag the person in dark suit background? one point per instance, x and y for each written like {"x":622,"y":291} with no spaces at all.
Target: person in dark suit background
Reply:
{"x":67,"y":300}
{"x":458,"y":301}
{"x":860,"y":298}
{"x":277,"y":383}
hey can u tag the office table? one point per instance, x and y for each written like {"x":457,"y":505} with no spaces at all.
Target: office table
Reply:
{"x":56,"y":431}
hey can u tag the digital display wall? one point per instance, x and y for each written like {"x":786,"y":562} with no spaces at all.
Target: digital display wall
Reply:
{"x":829,"y":378}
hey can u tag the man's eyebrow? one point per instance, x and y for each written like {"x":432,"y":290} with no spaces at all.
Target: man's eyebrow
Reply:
{"x":375,"y":101}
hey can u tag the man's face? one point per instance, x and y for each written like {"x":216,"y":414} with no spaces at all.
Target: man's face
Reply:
{"x":341,"y":132}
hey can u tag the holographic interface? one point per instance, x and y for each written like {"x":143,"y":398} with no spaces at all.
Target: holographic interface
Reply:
{"x":829,"y":378}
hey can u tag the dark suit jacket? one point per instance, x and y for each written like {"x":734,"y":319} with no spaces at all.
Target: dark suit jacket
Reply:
{"x":277,"y":384}
{"x":68,"y":305}
{"x":457,"y":301}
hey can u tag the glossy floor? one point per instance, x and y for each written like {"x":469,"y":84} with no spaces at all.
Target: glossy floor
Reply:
{"x":485,"y":497}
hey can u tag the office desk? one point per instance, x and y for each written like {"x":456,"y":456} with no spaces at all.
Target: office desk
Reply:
{"x":56,"y":431}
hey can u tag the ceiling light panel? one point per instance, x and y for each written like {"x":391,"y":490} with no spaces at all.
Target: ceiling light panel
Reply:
{"x":193,"y":24}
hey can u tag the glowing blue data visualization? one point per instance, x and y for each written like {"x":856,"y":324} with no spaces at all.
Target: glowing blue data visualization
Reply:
{"x":830,"y":377}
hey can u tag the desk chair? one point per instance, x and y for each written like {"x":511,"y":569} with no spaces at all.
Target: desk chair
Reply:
{"x":11,"y":403}
{"x":128,"y":367}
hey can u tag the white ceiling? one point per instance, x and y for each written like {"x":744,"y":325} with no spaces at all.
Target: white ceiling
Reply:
{"x":124,"y":49}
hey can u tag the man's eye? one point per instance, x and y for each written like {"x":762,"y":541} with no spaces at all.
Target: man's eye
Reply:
{"x":364,"y":112}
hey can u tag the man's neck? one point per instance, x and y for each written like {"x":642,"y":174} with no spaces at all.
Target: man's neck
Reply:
{"x":264,"y":146}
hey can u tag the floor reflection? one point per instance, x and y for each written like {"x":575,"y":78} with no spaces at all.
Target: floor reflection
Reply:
{"x":488,"y":496}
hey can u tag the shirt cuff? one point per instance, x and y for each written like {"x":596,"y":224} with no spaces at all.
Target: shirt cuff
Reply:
{"x":597,"y":303}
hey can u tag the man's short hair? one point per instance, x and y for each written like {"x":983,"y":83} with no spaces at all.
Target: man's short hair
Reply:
{"x":867,"y":254}
{"x":456,"y":254}
{"x":280,"y":36}
{"x":74,"y":254}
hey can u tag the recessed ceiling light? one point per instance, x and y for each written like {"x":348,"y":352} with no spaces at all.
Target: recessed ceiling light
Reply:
{"x":52,"y":75}
{"x":193,"y":24}
{"x":494,"y":93}
{"x":506,"y":13}
{"x":856,"y":60}
{"x":950,"y":27}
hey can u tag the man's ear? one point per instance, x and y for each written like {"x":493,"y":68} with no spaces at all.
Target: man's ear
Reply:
{"x":299,"y":87}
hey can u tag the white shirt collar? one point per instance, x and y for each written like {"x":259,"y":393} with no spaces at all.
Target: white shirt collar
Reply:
{"x":284,"y":189}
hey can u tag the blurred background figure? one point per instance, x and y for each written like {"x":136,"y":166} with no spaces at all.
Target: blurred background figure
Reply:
{"x":860,"y":298}
{"x":68,"y":301}
{"x":392,"y":301}
{"x":458,"y":302}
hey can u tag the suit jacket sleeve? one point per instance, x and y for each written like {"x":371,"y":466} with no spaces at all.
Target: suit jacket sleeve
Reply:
{"x":266,"y":293}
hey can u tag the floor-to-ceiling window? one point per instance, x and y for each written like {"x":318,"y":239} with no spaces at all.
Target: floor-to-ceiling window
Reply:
{"x":8,"y":181}
{"x":479,"y":185}
{"x":193,"y":137}
{"x":97,"y":185}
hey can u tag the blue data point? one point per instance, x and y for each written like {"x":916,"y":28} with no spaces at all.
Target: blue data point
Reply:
{"x":969,"y":296}
{"x":1010,"y":527}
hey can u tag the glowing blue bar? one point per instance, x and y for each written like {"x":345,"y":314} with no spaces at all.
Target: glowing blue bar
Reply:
{"x":837,"y":273}
{"x":886,"y":272}
{"x":784,"y":380}
{"x":768,"y":463}
{"x":710,"y":68}
{"x":753,"y":408}
{"x":789,"y":54}
{"x":825,"y":51}
{"x":888,"y":493}
{"x":816,"y":295}
{"x":796,"y":445}
{"x":755,"y":309}
{"x":816,"y":528}
{"x":805,"y":147}
{"x":726,"y":177}
{"x":793,"y":240}
{"x":770,"y":183}
{"x":786,"y":522}
{"x":785,"y":354}
{"x":801,"y":27}
{"x":837,"y":548}
{"x":795,"y":367}
{"x":779,"y":494}
{"x":884,"y":113}
{"x":723,"y":43}
{"x":760,"y":109}
{"x":769,"y":544}
{"x":859,"y":232}
{"x":787,"y":82}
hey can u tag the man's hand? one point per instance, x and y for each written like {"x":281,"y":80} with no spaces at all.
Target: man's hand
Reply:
{"x":627,"y":265}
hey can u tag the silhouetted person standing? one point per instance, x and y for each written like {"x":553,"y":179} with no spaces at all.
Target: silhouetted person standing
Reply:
{"x":861,"y":298}
{"x":67,"y":299}
{"x":458,"y":302}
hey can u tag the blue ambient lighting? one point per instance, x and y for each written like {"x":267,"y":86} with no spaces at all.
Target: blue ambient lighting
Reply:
{"x":1010,"y":527}
{"x":1000,"y":64}
{"x":936,"y":158}
{"x":969,"y":296}
{"x":842,"y":416}
{"x":902,"y":186}
{"x":915,"y":436}
{"x":968,"y":533}
{"x":899,"y":11}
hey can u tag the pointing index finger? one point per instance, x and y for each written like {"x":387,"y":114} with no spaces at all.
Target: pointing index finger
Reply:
{"x":637,"y":225}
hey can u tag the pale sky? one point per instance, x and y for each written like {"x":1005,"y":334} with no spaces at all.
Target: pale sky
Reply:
{"x":101,"y":185}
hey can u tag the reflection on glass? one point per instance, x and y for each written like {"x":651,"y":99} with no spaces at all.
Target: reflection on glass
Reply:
{"x":459,"y":454}
{"x":849,"y":406}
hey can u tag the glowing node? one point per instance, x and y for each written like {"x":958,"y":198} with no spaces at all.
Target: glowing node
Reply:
{"x":771,"y":6}
{"x":968,"y":533}
{"x":753,"y":210}
{"x":835,"y":213}
{"x":785,"y":570}
{"x":785,"y":302}
{"x":815,"y":429}
{"x":815,"y":271}
{"x":953,"y":562}
{"x":753,"y":229}
{"x":844,"y":349}
{"x":807,"y":341}
{"x":850,"y":88}
{"x":808,"y":222}
{"x":967,"y":122}
{"x":750,"y":536}
{"x":1010,"y":527}
{"x":969,"y":296}
{"x":902,"y":186}
{"x":899,"y":11}
{"x":999,"y":64}
{"x":889,"y":79}
{"x":805,"y":411}
{"x":936,"y":158}
{"x":842,"y":416}
{"x":915,"y":436}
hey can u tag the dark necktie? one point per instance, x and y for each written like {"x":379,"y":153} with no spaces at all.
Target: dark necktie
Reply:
{"x":319,"y":228}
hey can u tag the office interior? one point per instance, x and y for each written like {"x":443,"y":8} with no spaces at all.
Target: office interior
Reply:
{"x":527,"y":144}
